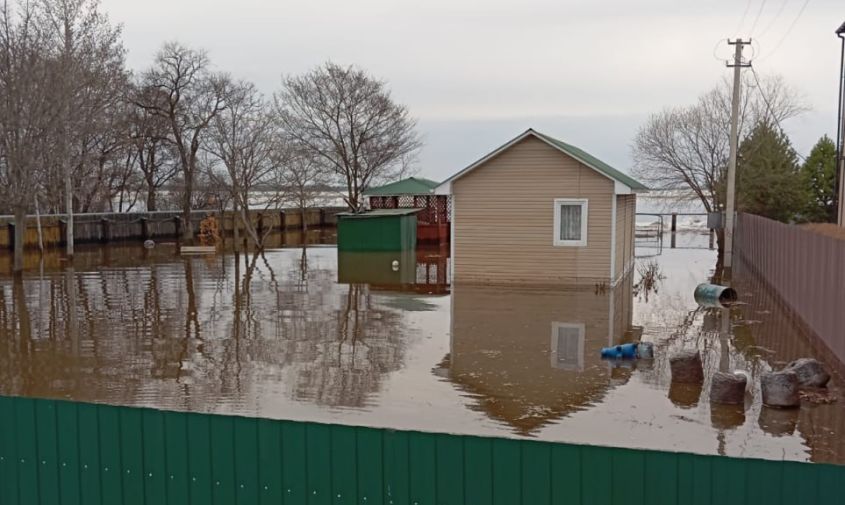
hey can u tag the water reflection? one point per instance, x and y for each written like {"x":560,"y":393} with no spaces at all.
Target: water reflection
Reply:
{"x":529,"y":357}
{"x":425,"y":270}
{"x":196,"y":332}
{"x":305,"y":333}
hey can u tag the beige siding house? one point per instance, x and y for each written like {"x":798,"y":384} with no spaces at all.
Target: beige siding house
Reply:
{"x":540,"y":211}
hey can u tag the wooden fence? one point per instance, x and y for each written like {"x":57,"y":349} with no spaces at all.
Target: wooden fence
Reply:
{"x":806,"y":269}
{"x":110,"y":227}
{"x":59,"y":452}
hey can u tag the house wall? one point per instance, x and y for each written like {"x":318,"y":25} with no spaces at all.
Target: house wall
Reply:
{"x":504,"y":219}
{"x":626,"y":209}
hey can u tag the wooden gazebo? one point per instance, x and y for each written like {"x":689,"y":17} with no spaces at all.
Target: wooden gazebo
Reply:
{"x":434,"y":218}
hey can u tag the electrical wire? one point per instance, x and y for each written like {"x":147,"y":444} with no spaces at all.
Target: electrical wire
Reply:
{"x":788,"y":31}
{"x":742,"y":20}
{"x":774,"y":19}
{"x":769,"y":111}
{"x":759,"y":13}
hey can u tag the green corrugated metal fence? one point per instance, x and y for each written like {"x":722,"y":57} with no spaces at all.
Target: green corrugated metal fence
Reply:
{"x":56,"y":452}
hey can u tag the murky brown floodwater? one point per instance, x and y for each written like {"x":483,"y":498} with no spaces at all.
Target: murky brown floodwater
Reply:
{"x":304,"y":333}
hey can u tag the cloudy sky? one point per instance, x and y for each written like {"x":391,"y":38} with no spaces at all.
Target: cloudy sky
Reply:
{"x":478,"y":72}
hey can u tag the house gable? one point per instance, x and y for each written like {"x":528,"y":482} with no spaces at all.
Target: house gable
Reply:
{"x":623,"y":184}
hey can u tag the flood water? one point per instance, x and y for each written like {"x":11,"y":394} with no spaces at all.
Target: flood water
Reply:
{"x":303,"y":333}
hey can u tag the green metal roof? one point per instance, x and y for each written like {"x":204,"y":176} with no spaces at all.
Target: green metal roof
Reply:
{"x":409,"y":186}
{"x":594,"y":162}
{"x":378,"y":213}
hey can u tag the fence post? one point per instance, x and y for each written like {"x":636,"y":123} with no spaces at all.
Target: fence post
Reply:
{"x":62,"y":232}
{"x":11,"y":232}
{"x":673,"y":228}
{"x":283,"y":224}
{"x":105,"y":233}
{"x":145,"y":228}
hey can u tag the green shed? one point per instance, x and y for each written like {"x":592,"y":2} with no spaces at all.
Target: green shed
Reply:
{"x":377,"y":230}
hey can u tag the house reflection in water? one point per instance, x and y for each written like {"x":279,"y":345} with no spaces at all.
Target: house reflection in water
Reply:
{"x":529,"y":357}
{"x":425,"y":270}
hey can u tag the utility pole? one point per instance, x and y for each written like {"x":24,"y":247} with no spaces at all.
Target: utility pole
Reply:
{"x":730,"y":205}
{"x":840,"y":138}
{"x":69,"y":207}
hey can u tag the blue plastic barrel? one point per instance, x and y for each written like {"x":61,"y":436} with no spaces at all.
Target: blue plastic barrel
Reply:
{"x":620,"y":351}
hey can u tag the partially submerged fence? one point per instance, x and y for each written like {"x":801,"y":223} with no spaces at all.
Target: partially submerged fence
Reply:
{"x":806,"y":269}
{"x":109,"y":227}
{"x":75,"y":453}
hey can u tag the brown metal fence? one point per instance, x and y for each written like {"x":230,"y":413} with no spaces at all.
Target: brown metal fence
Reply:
{"x":806,"y":269}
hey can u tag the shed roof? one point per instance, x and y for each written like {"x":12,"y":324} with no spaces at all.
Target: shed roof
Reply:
{"x":579,"y":154}
{"x":409,"y":186}
{"x":378,"y":213}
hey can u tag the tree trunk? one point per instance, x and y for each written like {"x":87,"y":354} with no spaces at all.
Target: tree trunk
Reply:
{"x":20,"y":235}
{"x":235,"y":223}
{"x":151,"y":199}
{"x":304,"y":224}
{"x":187,"y":226}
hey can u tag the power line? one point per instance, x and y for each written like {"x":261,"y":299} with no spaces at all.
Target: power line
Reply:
{"x":759,"y":12}
{"x":744,"y":15}
{"x":769,"y":110}
{"x":788,"y":31}
{"x":774,"y":19}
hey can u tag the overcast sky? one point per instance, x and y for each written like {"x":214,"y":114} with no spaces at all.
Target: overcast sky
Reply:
{"x":478,"y":72}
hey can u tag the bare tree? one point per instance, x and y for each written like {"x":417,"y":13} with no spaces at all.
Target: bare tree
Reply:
{"x":26,"y":112}
{"x":304,"y":180}
{"x":687,"y":147}
{"x":157,"y":160}
{"x":346,"y":120}
{"x":189,"y":96}
{"x":241,"y":140}
{"x":90,"y":80}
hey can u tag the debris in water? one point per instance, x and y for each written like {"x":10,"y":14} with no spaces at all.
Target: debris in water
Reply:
{"x":780,"y":389}
{"x":714,"y":295}
{"x":817,"y":396}
{"x":811,"y":372}
{"x":728,"y":388}
{"x":686,"y":367}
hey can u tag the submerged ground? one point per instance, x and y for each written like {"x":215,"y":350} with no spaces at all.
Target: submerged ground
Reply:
{"x":304,"y":333}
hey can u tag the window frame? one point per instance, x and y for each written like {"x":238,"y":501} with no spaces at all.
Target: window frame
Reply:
{"x":555,"y":350}
{"x":558,"y":202}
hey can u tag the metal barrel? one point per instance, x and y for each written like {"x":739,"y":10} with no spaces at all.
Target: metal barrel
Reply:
{"x":713,"y":295}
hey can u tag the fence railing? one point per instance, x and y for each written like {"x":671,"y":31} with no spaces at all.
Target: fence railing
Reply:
{"x":153,"y":225}
{"x":79,"y":453}
{"x":806,"y":269}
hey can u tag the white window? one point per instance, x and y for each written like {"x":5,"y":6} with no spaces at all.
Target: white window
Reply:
{"x":567,"y":346}
{"x":570,"y":222}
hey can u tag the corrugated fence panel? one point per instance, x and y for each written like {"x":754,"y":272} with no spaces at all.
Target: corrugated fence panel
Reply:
{"x":805,"y":268}
{"x":63,"y":452}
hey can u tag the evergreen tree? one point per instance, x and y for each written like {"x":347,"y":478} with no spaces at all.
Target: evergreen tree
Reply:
{"x":818,"y":175}
{"x":768,"y":175}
